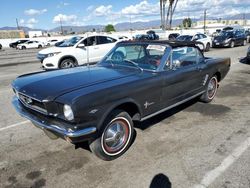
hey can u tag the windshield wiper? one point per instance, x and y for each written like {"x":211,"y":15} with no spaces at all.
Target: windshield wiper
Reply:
{"x":133,"y":63}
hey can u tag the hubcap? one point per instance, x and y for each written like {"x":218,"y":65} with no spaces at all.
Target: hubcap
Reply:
{"x":67,"y":64}
{"x":115,"y":136}
{"x":212,"y":87}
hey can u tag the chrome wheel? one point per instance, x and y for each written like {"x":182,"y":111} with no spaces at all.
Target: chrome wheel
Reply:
{"x":116,"y":135}
{"x":212,"y":88}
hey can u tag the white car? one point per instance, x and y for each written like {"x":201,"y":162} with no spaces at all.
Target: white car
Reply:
{"x":206,"y":40}
{"x":51,"y":42}
{"x":77,"y":51}
{"x":30,"y":44}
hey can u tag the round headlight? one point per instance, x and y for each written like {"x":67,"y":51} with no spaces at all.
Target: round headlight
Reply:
{"x":68,"y":113}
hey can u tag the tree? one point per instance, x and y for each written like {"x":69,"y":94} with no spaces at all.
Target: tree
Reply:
{"x":166,"y":21}
{"x":109,"y":28}
{"x":187,"y":22}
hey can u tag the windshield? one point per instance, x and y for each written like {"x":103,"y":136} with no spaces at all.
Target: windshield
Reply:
{"x":226,"y":33}
{"x":143,"y":56}
{"x":70,"y":42}
{"x":184,"y":38}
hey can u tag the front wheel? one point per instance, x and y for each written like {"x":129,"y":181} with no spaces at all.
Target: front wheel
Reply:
{"x":115,"y":138}
{"x":232,"y":44}
{"x":244,"y":43}
{"x":210,"y":91}
{"x":207,"y":47}
{"x":67,"y":63}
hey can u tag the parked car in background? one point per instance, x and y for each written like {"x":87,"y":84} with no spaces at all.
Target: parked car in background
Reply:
{"x":30,"y":44}
{"x":173,"y":36}
{"x":134,"y":82}
{"x":151,"y":35}
{"x":204,"y":39}
{"x":51,"y":42}
{"x":230,"y":38}
{"x":14,"y":44}
{"x":76,"y":51}
{"x":59,"y":43}
{"x":1,"y":46}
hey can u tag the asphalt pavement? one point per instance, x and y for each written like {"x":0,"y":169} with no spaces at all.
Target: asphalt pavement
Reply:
{"x":193,"y":145}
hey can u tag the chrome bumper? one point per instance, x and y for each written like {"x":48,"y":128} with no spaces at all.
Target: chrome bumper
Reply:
{"x":42,"y":124}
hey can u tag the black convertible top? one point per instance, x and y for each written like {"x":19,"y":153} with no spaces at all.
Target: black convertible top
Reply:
{"x":173,"y":44}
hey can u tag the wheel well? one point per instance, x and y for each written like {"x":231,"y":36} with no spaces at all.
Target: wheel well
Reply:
{"x":218,"y":75}
{"x":68,"y":57}
{"x":131,"y":108}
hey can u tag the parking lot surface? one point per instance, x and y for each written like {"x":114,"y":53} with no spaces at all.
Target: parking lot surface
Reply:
{"x":193,"y":145}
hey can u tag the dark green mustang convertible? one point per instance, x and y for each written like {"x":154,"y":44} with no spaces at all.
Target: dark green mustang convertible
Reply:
{"x":133,"y":82}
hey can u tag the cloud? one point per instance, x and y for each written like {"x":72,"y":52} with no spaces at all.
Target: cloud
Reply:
{"x":29,"y":23}
{"x":33,"y":12}
{"x":144,"y":8}
{"x":63,"y":4}
{"x":32,"y":21}
{"x":64,"y":18}
{"x":90,"y":8}
{"x":103,"y":10}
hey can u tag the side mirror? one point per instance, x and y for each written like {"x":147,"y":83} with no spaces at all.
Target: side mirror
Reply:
{"x":81,"y":45}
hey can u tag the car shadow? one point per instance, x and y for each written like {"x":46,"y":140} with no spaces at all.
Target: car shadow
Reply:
{"x":164,"y":115}
{"x":244,"y":60}
{"x":160,"y":181}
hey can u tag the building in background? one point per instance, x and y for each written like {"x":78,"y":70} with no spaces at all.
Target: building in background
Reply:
{"x":34,"y":34}
{"x":11,"y":34}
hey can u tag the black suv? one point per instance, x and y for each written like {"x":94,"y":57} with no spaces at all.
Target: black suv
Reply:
{"x":14,"y":44}
{"x":230,"y":39}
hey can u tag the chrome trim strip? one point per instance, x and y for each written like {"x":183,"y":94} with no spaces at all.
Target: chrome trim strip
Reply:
{"x":45,"y":125}
{"x":172,"y":106}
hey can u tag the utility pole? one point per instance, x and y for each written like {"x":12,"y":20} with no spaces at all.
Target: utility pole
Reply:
{"x":205,"y":18}
{"x":61,"y":25}
{"x":17,"y":25}
{"x":244,"y":19}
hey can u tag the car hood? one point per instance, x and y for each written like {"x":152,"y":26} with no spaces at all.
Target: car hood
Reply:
{"x":221,"y":38}
{"x":52,"y":84}
{"x":53,"y":50}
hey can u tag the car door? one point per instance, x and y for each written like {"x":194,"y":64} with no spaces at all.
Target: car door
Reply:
{"x":104,"y":45}
{"x":185,"y":77}
{"x":86,"y":53}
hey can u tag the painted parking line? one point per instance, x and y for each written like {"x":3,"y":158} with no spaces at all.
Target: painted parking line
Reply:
{"x":211,"y":176}
{"x":13,"y":125}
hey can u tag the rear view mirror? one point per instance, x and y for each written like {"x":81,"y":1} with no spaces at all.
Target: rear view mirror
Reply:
{"x":81,"y":46}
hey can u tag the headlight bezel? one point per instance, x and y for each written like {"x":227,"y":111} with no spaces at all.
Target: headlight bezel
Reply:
{"x":53,"y":54}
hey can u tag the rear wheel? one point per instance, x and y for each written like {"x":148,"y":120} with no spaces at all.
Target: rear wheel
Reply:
{"x":23,"y":47}
{"x":39,"y":46}
{"x":211,"y":90}
{"x":67,"y":63}
{"x":115,"y":138}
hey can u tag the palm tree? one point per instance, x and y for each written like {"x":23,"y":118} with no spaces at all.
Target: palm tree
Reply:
{"x":167,"y":21}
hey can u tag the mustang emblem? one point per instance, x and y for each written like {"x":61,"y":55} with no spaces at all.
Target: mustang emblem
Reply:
{"x":147,"y":104}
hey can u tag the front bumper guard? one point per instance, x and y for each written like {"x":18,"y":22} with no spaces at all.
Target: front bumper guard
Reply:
{"x":42,"y":124}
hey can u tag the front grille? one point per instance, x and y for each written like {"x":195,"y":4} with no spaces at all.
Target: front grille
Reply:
{"x":32,"y":103}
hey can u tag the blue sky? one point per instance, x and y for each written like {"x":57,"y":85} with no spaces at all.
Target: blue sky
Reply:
{"x":46,"y":14}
